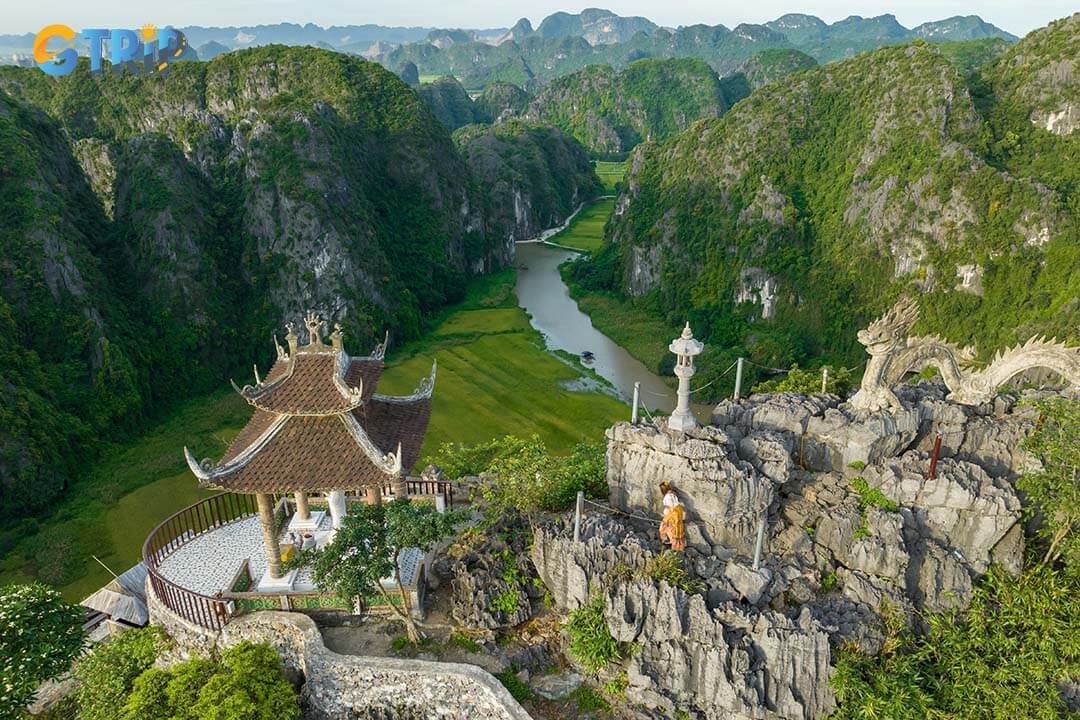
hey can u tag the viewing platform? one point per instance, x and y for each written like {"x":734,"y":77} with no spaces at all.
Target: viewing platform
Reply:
{"x":208,"y":562}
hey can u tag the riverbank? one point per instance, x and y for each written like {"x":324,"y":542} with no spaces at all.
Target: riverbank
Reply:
{"x":495,"y":377}
{"x":585,"y":231}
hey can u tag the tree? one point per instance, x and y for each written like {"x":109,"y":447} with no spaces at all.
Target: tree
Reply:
{"x":370,"y":537}
{"x":107,"y":675}
{"x":246,"y":684}
{"x":40,"y":635}
{"x":1053,"y":493}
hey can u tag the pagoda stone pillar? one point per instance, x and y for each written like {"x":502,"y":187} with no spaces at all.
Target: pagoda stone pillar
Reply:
{"x":303,"y":512}
{"x":374,"y":495}
{"x":397,"y":487}
{"x":266,"y":520}
{"x":336,"y":500}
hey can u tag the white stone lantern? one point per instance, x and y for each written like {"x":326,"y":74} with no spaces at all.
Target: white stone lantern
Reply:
{"x":685,"y":348}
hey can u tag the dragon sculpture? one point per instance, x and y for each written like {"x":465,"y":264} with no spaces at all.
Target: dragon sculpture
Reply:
{"x":893,"y":354}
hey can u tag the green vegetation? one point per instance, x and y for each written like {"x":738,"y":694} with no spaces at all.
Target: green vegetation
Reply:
{"x":591,"y":642}
{"x":588,"y":700}
{"x":449,"y":102}
{"x":871,"y":496}
{"x":40,"y":635}
{"x":828,"y":582}
{"x":107,"y":675}
{"x":518,"y":689}
{"x":367,"y":545}
{"x":610,"y":174}
{"x":610,"y":112}
{"x":586,"y":230}
{"x":1053,"y":493}
{"x":1002,"y":659}
{"x":527,"y":176}
{"x":525,"y":474}
{"x":808,"y":381}
{"x":245,"y":684}
{"x":495,"y":373}
{"x":775,"y":64}
{"x":668,"y":566}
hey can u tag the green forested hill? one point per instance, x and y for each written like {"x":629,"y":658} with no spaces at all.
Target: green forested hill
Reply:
{"x":156,"y":230}
{"x":610,"y":112}
{"x":819,"y":199}
{"x":533,"y":176}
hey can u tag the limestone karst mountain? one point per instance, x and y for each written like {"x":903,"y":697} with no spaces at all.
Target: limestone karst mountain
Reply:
{"x":611,"y":112}
{"x":804,"y":210}
{"x":564,"y":43}
{"x":154,"y":227}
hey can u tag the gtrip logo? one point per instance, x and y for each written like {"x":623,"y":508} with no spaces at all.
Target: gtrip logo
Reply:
{"x":146,"y":50}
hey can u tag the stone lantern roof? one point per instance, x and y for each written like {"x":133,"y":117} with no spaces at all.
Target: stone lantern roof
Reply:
{"x":685,"y":344}
{"x":319,"y":425}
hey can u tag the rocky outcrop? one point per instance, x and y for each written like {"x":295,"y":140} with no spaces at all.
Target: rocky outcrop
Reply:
{"x":856,"y":533}
{"x":492,"y":580}
{"x":715,"y":652}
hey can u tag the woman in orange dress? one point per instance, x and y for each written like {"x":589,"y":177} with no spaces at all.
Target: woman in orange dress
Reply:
{"x":672,"y":529}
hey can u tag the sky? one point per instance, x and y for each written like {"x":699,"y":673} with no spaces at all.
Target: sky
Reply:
{"x":1017,"y":16}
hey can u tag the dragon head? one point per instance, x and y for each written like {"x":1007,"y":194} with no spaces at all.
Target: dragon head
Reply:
{"x":889,"y":330}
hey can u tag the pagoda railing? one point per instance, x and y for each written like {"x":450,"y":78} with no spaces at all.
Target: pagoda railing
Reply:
{"x":213,"y":612}
{"x":176,"y":531}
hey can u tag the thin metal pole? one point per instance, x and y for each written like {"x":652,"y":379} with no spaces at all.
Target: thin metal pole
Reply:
{"x":934,"y":458}
{"x":824,"y":380}
{"x":760,"y":539}
{"x":634,"y":412}
{"x":738,"y":378}
{"x":577,"y":515}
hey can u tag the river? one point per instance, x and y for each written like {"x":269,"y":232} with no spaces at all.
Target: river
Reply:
{"x":545,"y":297}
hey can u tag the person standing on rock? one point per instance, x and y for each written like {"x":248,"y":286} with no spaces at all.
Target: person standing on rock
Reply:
{"x":672,"y":529}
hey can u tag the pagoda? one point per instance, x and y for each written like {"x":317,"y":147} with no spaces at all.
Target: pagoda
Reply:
{"x":319,"y":427}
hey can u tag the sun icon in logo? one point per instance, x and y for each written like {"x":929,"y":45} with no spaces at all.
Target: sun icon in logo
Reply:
{"x":148,"y":32}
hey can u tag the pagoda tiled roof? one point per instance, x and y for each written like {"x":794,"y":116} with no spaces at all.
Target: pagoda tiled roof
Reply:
{"x":319,"y":424}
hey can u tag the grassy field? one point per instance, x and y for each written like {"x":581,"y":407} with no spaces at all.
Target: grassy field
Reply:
{"x":643,"y":335}
{"x":586,"y":230}
{"x":495,"y":378}
{"x":610,"y":173}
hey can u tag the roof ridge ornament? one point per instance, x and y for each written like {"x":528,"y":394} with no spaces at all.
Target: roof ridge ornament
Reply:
{"x":290,"y":337}
{"x":281,"y":354}
{"x":380,"y":350}
{"x":314,"y":326}
{"x":337,"y":336}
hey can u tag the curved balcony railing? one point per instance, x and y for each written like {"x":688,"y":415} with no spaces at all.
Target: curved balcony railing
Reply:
{"x":210,"y":514}
{"x":176,"y":531}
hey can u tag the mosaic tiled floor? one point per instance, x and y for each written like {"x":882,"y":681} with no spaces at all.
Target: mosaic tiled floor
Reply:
{"x":209,"y":563}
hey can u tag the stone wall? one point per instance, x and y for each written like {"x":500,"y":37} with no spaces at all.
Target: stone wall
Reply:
{"x":350,"y":686}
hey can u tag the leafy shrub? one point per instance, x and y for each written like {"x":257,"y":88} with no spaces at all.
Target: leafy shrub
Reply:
{"x":798,"y":380}
{"x":591,"y":642}
{"x":525,"y":475}
{"x":1053,"y":493}
{"x":668,"y":566}
{"x":107,"y":675}
{"x":828,"y":582}
{"x":506,"y":602}
{"x":246,"y":684}
{"x":1003,"y":659}
{"x":872,"y":496}
{"x":40,"y":635}
{"x":518,"y":689}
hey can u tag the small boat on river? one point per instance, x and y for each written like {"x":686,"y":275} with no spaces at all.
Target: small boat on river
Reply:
{"x":587,"y":356}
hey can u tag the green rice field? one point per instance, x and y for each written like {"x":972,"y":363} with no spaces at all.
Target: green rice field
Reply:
{"x":610,"y":173}
{"x":586,"y":230}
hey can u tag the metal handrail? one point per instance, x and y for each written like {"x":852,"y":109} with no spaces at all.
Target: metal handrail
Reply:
{"x":176,"y":531}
